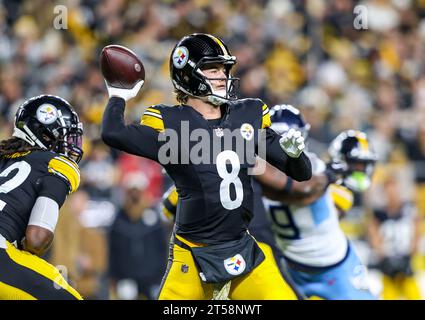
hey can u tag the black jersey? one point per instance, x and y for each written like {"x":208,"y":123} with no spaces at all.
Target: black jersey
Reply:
{"x":215,"y":196}
{"x":26,"y":176}
{"x":259,"y":227}
{"x":397,"y":229}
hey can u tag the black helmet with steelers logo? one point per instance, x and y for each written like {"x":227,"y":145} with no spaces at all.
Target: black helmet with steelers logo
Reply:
{"x":353,"y":154}
{"x":50,"y":123}
{"x":190,"y":56}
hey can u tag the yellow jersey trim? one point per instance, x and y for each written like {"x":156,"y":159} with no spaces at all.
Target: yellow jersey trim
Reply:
{"x":173,"y":197}
{"x":67,"y":169}
{"x":342,"y":197}
{"x":190,"y":243}
{"x":153,"y":110}
{"x":8,"y":292}
{"x":167,"y":213}
{"x":266,"y":121}
{"x":153,"y":118}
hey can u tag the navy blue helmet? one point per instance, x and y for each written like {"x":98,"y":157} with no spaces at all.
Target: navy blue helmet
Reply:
{"x":285,"y":117}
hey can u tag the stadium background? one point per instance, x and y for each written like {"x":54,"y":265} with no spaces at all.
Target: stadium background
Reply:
{"x":305,"y":53}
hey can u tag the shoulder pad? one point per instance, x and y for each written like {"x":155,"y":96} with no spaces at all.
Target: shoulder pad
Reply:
{"x":66,"y":169}
{"x":261,"y":107}
{"x":264,"y":111}
{"x":248,"y":102}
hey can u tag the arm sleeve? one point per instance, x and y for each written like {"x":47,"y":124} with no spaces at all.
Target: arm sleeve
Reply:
{"x":44,"y":214}
{"x":141,"y":140}
{"x":297,"y":168}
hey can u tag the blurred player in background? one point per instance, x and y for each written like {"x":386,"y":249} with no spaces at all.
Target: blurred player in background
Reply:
{"x":215,"y":204}
{"x":320,"y":259}
{"x":394,"y":236}
{"x":38,"y":169}
{"x":137,"y":243}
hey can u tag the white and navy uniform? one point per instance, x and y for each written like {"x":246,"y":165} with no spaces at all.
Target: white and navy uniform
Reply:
{"x":320,"y":258}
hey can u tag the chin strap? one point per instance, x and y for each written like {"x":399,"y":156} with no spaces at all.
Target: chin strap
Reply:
{"x":216,"y":100}
{"x":27,"y":136}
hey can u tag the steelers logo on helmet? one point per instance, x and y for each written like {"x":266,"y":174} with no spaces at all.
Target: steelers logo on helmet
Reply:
{"x":247,"y":131}
{"x":180,"y":57}
{"x":47,"y":113}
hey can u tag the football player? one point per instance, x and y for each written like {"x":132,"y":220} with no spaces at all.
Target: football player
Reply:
{"x":38,"y":169}
{"x":394,"y":234}
{"x":259,"y":227}
{"x":210,"y":246}
{"x":319,"y":257}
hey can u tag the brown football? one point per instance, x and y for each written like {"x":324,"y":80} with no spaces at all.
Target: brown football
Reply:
{"x":121,"y":67}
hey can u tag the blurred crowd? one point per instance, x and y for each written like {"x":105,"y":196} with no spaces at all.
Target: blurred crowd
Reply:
{"x":301,"y":52}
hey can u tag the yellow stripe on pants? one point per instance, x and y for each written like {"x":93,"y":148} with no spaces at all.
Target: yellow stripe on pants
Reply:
{"x":40,"y":266}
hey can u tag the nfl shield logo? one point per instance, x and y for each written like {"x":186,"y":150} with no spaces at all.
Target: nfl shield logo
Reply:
{"x":235,"y":265}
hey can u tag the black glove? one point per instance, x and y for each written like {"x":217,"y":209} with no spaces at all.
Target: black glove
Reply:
{"x":392,"y":266}
{"x":335,"y":171}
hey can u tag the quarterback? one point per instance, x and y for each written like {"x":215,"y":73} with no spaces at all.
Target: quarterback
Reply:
{"x":210,"y":246}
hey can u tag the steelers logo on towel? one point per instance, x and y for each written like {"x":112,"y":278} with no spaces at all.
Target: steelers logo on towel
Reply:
{"x":47,"y":113}
{"x":235,"y":265}
{"x":180,"y":57}
{"x":247,"y":131}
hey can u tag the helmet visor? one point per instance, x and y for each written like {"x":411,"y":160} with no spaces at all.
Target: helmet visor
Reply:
{"x":74,"y":145}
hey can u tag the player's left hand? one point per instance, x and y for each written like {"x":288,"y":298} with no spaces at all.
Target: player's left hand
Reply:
{"x":292,"y":142}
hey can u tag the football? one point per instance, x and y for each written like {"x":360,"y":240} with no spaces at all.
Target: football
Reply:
{"x":121,"y":67}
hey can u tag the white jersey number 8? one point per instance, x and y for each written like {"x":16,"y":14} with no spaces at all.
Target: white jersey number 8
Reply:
{"x":229,"y":178}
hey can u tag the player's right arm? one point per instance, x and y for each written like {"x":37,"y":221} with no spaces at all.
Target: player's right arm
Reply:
{"x":62,"y":179}
{"x":279,"y":187}
{"x":141,"y":140}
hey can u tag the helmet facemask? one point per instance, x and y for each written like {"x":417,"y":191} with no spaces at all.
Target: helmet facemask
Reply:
{"x":206,"y":88}
{"x":191,"y":56}
{"x":49,"y":123}
{"x":352,"y":151}
{"x":70,"y":141}
{"x":359,"y":174}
